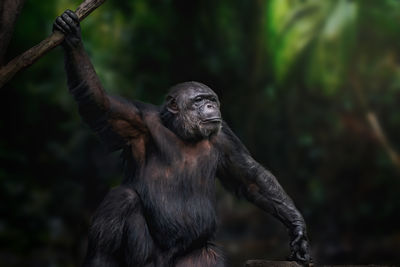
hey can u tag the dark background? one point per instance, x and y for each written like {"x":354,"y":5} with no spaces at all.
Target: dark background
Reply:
{"x":311,"y":87}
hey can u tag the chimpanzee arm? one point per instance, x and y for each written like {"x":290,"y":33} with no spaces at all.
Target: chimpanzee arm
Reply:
{"x":115,"y":120}
{"x":239,"y":172}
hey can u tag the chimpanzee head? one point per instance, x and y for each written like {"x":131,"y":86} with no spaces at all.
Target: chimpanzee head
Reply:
{"x":191,"y":110}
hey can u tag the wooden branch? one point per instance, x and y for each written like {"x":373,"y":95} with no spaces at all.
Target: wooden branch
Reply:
{"x":373,"y":121}
{"x":380,"y":134}
{"x":265,"y":263}
{"x":30,"y":56}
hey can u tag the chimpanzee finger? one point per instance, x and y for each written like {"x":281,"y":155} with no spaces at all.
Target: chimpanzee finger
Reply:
{"x":72,"y":15}
{"x":297,"y":239}
{"x":68,"y":20}
{"x":60,"y":22}
{"x":58,"y":28}
{"x":74,"y":28}
{"x":305,"y":250}
{"x":299,"y":257}
{"x":304,"y":246}
{"x":307,"y":257}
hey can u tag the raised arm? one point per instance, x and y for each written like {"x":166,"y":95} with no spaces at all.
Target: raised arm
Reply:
{"x":116,"y":120}
{"x":239,"y":172}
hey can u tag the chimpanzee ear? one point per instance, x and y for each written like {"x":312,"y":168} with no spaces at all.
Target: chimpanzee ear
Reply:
{"x":172,"y":106}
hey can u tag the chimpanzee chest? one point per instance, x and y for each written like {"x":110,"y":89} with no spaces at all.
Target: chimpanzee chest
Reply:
{"x":179,"y":198}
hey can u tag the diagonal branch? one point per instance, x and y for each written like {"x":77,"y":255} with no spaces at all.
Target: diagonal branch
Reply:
{"x":374,"y":123}
{"x":30,"y":56}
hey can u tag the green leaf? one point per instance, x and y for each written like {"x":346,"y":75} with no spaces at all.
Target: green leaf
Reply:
{"x":313,"y":38}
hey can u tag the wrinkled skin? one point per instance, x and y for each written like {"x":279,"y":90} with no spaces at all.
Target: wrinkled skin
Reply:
{"x":163,"y":213}
{"x":201,"y":117}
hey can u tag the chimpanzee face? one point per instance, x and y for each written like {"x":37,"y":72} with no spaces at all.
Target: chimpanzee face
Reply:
{"x":196,"y":109}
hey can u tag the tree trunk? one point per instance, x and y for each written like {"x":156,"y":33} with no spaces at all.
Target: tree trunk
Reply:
{"x":9,"y":11}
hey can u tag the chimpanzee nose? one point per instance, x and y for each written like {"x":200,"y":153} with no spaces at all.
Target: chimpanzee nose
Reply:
{"x":211,"y":112}
{"x":210,"y":108}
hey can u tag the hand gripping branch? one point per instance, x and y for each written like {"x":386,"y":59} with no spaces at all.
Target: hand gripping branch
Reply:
{"x":30,"y":56}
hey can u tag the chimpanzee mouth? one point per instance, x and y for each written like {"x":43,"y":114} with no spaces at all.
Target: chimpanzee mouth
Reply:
{"x":212,"y":120}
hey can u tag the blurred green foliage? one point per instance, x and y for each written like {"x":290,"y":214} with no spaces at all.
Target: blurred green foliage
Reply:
{"x":296,"y":79}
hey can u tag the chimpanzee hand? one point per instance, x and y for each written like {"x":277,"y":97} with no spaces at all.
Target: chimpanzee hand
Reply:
{"x":68,"y":23}
{"x":299,"y":247}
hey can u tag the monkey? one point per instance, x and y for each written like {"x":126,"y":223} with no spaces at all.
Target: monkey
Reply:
{"x":164,"y":211}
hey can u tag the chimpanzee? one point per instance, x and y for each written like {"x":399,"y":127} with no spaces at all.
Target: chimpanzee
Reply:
{"x":163,"y":213}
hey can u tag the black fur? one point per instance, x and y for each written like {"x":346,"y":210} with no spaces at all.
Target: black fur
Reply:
{"x":163,"y":213}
